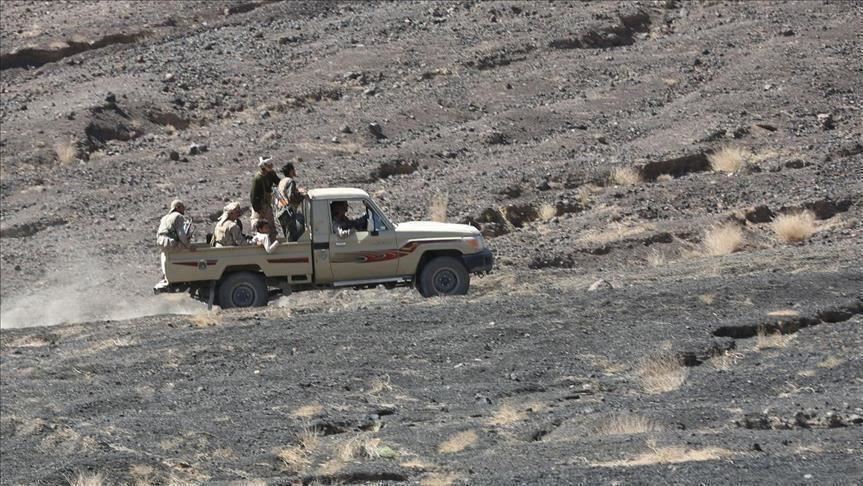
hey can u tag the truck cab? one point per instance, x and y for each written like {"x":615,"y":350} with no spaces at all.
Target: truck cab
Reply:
{"x":348,"y":242}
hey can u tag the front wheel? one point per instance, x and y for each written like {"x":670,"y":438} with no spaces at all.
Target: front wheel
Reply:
{"x":444,"y":276}
{"x":243,"y":289}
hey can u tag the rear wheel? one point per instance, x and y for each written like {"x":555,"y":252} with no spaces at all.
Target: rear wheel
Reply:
{"x":444,"y":276}
{"x":243,"y":289}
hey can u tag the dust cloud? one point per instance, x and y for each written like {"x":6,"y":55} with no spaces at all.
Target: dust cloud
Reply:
{"x":82,"y":294}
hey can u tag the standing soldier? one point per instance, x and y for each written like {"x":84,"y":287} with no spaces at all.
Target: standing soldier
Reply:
{"x":173,"y":233}
{"x":262,"y":194}
{"x":228,"y":232}
{"x":290,"y":196}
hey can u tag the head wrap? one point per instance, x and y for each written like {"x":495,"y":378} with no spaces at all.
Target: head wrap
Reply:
{"x":176,"y":203}
{"x":263,"y":161}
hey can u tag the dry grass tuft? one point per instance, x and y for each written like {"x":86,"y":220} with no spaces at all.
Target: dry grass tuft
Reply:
{"x":707,"y":299}
{"x":656,"y":258}
{"x":379,"y":385}
{"x":669,"y":455}
{"x":830,"y":362}
{"x":728,"y":159}
{"x":206,"y":319}
{"x":506,"y":415}
{"x":458,"y":442}
{"x":661,"y":373}
{"x":768,"y":340}
{"x":625,"y":424}
{"x":664,"y":178}
{"x":790,"y":228}
{"x":546,"y":212}
{"x":66,"y":152}
{"x":86,"y":479}
{"x":439,"y":479}
{"x":784,"y":313}
{"x":294,"y":458}
{"x":308,"y":411}
{"x":725,"y":360}
{"x":309,"y":438}
{"x":417,"y":464}
{"x":625,"y":176}
{"x":438,"y":207}
{"x":723,"y":239}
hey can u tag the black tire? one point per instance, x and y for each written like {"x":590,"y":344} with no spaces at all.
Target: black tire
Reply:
{"x":444,"y":276}
{"x":243,"y":289}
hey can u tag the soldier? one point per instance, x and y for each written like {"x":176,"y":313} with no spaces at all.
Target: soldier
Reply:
{"x":228,"y":231}
{"x":290,"y":198}
{"x":342,"y":225}
{"x":173,"y":233}
{"x":262,"y":194}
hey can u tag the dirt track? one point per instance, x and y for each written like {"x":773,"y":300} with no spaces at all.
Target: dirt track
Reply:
{"x":520,"y":113}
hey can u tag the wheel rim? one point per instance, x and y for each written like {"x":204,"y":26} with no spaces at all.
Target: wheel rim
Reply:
{"x":243,"y":295}
{"x":445,"y":281}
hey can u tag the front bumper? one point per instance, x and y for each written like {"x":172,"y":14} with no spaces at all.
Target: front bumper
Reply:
{"x":480,"y":262}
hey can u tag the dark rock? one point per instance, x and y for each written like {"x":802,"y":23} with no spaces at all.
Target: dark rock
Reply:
{"x":377,"y":130}
{"x":174,"y":155}
{"x":197,"y":149}
{"x":759,"y":214}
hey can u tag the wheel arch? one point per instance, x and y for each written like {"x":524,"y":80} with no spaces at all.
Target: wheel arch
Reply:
{"x":431,"y":255}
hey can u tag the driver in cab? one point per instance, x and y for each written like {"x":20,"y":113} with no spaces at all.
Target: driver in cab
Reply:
{"x":342,"y":225}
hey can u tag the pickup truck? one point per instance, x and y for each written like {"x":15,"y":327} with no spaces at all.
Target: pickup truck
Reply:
{"x":435,"y":258}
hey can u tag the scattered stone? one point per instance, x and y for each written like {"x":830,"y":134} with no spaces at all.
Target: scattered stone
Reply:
{"x":600,"y":284}
{"x":496,"y":138}
{"x":512,"y":191}
{"x":759,"y":214}
{"x":197,"y":149}
{"x":335,"y":139}
{"x":826,"y":120}
{"x":371,"y":91}
{"x":168,"y":78}
{"x":795,"y":164}
{"x":377,"y":130}
{"x":174,"y":155}
{"x":601,"y":139}
{"x":265,"y":114}
{"x":112,"y":98}
{"x":345,"y":129}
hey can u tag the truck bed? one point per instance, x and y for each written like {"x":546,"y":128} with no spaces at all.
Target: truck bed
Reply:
{"x":292,"y":260}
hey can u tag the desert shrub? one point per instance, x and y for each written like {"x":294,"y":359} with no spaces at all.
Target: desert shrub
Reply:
{"x":661,"y":373}
{"x":723,"y":239}
{"x":626,"y":176}
{"x":728,"y":159}
{"x":438,"y":207}
{"x":790,"y":228}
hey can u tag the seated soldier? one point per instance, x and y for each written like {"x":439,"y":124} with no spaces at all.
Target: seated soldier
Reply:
{"x":228,"y":231}
{"x":263,"y":232}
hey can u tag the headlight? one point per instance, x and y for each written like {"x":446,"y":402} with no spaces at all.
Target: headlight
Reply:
{"x":475,"y":242}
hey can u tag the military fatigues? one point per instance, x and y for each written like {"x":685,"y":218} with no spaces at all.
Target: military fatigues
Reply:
{"x":228,"y":233}
{"x":262,"y":199}
{"x":293,"y":224}
{"x":171,"y":234}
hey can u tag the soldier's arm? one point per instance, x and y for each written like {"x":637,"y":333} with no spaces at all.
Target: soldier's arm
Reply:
{"x":237,"y":236}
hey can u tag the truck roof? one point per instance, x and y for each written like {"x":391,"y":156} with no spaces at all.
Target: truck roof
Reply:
{"x":337,"y":193}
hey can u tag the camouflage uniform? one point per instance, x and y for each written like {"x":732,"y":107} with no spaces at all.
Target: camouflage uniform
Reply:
{"x":171,"y":234}
{"x":262,"y":199}
{"x":228,"y":233}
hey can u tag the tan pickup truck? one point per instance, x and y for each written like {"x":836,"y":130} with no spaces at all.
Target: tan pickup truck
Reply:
{"x":436,"y":258}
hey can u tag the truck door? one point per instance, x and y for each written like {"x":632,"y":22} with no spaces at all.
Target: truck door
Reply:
{"x":369,"y":251}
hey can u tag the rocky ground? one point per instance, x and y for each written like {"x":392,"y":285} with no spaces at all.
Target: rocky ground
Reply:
{"x":580,"y":137}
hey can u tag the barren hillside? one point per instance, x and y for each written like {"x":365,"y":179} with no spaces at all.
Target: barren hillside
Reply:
{"x":673,"y":192}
